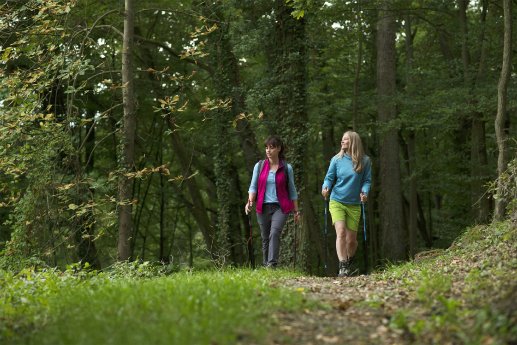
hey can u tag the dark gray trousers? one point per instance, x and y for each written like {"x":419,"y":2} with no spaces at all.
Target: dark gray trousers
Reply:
{"x":271,"y":223}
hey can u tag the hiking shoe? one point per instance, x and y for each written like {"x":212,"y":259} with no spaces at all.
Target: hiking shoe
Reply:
{"x":343,"y":269}
{"x":352,"y":268}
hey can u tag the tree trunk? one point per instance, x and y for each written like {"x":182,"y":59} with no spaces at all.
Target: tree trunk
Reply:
{"x":413,"y":196}
{"x":411,"y":145}
{"x":198,"y":208}
{"x":226,"y":82}
{"x":163,"y":206}
{"x":501,"y":130}
{"x":478,"y":154}
{"x":465,"y":54}
{"x":287,"y":53}
{"x":125,"y":192}
{"x":357,"y":74}
{"x":394,"y":243}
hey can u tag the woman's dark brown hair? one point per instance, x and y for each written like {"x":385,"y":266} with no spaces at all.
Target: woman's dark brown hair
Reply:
{"x":275,"y":141}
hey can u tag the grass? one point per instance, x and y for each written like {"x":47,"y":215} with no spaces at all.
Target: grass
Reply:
{"x":466,"y":295}
{"x":227,"y":307}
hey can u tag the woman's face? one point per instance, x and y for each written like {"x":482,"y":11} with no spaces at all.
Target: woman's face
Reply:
{"x":345,"y":142}
{"x":272,"y":151}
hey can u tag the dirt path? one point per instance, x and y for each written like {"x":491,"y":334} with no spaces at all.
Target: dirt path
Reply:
{"x":463,"y":295}
{"x":349,"y":319}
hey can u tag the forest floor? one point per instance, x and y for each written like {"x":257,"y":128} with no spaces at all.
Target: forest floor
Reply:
{"x":466,"y":294}
{"x":349,"y":318}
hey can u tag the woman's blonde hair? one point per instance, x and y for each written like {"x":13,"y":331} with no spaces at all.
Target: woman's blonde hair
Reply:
{"x":355,"y":150}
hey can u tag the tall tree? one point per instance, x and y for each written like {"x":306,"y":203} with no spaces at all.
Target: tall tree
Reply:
{"x":288,"y":53}
{"x":501,"y":119}
{"x":411,"y":144}
{"x":393,"y":233}
{"x":127,"y":158}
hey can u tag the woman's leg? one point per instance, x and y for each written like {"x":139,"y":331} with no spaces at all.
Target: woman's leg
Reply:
{"x":351,"y":243}
{"x":264,"y":221}
{"x":341,"y":240}
{"x":278,"y":220}
{"x":346,"y":246}
{"x":346,"y":241}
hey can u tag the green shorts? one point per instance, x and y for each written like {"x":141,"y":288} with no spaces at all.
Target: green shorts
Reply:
{"x":350,"y":214}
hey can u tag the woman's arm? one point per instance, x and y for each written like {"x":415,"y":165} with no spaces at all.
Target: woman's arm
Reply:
{"x":293,"y":194}
{"x":330,"y":178}
{"x":252,"y":192}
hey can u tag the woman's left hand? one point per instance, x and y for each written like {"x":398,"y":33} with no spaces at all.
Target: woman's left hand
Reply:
{"x":297,"y":216}
{"x":364,"y":197}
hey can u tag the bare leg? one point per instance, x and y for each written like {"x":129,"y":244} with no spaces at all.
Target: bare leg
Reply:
{"x":341,"y":240}
{"x":351,"y":243}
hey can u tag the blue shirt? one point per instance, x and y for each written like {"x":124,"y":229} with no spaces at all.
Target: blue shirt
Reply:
{"x":345,"y":182}
{"x":270,"y":195}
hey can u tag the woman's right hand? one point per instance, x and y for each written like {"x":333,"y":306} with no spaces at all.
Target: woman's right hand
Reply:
{"x":325,"y":193}
{"x":248,"y":206}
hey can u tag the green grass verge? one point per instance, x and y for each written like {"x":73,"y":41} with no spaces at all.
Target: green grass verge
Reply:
{"x":51,"y":307}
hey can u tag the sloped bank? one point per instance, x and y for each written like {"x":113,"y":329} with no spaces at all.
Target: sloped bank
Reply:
{"x":463,"y":295}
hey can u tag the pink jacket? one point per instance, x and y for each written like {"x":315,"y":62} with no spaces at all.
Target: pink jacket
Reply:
{"x":286,"y":204}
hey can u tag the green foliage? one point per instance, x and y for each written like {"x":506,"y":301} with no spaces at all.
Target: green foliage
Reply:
{"x":35,"y":140}
{"x":201,"y":67}
{"x":52,"y":307}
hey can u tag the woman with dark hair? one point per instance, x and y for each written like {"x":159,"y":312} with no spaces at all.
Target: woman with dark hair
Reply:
{"x":272,"y":186}
{"x":349,"y":177}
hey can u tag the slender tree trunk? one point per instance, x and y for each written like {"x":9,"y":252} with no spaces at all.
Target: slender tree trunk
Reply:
{"x":394,"y":244}
{"x":198,"y":209}
{"x":478,"y":154}
{"x":357,"y":76}
{"x":411,"y":145}
{"x":163,"y":202}
{"x":465,"y":54}
{"x":501,"y":130}
{"x":125,"y":192}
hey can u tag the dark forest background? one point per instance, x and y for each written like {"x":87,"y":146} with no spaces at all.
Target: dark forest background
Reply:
{"x":131,"y":132}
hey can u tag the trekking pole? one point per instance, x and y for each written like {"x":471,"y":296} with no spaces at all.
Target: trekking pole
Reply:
{"x":325,"y":246}
{"x":294,"y":263}
{"x":365,"y":242}
{"x":251,"y":254}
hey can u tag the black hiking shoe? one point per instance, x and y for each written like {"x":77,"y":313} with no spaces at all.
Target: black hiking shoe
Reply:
{"x":343,"y":269}
{"x":352,"y":268}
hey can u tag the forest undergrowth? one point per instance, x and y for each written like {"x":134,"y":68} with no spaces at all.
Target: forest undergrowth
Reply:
{"x":463,"y":295}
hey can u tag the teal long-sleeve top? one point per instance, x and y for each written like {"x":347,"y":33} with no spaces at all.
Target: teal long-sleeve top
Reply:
{"x":345,"y":182}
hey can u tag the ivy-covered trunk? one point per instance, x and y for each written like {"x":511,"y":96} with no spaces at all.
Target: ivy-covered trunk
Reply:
{"x":226,"y":81}
{"x":288,"y":55}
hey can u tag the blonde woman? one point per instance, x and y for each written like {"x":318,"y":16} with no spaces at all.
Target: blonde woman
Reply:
{"x":349,"y":177}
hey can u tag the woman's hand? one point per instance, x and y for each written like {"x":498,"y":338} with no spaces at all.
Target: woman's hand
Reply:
{"x":364,"y":197}
{"x":297,"y":216}
{"x":248,"y":206}
{"x":325,"y":193}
